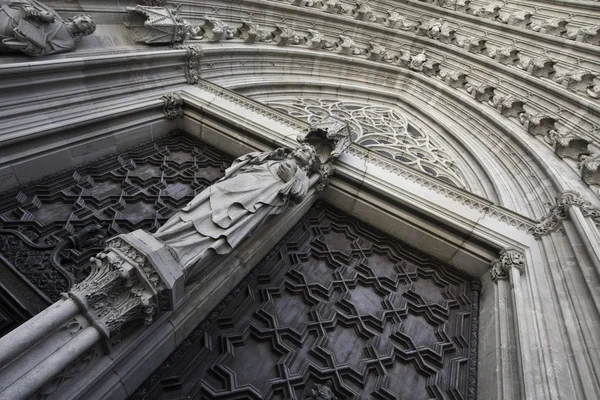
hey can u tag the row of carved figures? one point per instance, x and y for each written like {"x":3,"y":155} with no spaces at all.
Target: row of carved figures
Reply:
{"x":556,"y":26}
{"x":441,"y":30}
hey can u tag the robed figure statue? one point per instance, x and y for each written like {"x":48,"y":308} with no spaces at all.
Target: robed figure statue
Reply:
{"x":37,"y":30}
{"x":256,"y":186}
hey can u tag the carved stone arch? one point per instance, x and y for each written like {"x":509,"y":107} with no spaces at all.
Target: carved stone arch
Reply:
{"x":525,"y":163}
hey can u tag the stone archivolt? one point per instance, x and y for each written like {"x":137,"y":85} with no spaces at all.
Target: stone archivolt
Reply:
{"x":557,"y":132}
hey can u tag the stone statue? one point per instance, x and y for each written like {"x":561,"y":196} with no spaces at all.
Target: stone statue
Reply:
{"x":37,"y":30}
{"x":256,"y":186}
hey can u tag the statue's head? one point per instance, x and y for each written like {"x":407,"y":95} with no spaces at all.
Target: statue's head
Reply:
{"x":80,"y":26}
{"x":306,"y":156}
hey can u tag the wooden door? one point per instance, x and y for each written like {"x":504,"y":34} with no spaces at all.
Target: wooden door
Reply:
{"x":336,"y":310}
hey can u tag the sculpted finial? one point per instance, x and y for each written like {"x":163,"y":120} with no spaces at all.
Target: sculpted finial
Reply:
{"x":37,"y":30}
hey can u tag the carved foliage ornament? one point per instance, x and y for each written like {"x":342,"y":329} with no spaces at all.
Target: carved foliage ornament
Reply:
{"x":559,"y":212}
{"x":173,"y":103}
{"x":192,"y":62}
{"x":508,"y":259}
{"x":122,"y":287}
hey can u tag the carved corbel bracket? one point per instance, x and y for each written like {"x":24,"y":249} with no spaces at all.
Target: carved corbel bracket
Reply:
{"x":283,"y":36}
{"x":521,"y":19}
{"x":250,"y":32}
{"x":511,"y":106}
{"x":376,"y":52}
{"x":456,"y":79}
{"x":484,"y":93}
{"x":476,"y":45}
{"x":509,"y":258}
{"x":363,"y":12}
{"x":346,"y":46}
{"x":216,"y":30}
{"x":552,"y":26}
{"x":491,"y":12}
{"x":589,"y":35}
{"x":542,"y":67}
{"x":173,"y":105}
{"x":315,"y":39}
{"x":507,"y":55}
{"x":577,"y":81}
{"x":540,"y":124}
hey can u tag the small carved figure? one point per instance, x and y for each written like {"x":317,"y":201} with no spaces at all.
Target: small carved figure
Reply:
{"x":256,"y":186}
{"x":37,"y":30}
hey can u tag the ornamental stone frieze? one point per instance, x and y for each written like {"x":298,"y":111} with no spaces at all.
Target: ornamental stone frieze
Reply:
{"x":509,"y":259}
{"x":559,"y":212}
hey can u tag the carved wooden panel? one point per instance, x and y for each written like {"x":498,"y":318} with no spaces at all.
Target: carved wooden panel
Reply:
{"x":336,"y":309}
{"x":50,"y":229}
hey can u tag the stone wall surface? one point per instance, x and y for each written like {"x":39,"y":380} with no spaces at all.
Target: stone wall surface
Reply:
{"x":510,"y":90}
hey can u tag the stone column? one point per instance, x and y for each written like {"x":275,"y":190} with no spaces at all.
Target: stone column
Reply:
{"x":511,"y":266}
{"x":131,"y":281}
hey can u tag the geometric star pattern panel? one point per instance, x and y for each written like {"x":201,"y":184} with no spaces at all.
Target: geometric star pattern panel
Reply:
{"x":50,"y":229}
{"x":336,"y":309}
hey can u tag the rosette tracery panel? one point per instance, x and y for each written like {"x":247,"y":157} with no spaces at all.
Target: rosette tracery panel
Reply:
{"x":335,"y":308}
{"x":381,"y":128}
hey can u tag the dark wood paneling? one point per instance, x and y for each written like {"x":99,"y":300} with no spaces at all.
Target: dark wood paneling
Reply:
{"x":336,"y":308}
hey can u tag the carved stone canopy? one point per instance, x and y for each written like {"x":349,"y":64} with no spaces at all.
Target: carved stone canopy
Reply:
{"x":157,"y":25}
{"x":330,"y":138}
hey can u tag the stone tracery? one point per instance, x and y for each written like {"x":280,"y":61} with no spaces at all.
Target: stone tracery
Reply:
{"x":383,"y":129}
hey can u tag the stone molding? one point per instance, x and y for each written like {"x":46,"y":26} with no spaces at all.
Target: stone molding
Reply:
{"x":173,"y":105}
{"x":559,"y":212}
{"x":509,"y":258}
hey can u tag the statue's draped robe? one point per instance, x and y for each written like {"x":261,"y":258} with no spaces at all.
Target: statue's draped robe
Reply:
{"x":225,"y":213}
{"x":42,"y":38}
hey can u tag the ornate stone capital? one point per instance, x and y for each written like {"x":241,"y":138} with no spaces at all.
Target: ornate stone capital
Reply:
{"x":122,"y":287}
{"x":508,"y":259}
{"x":173,"y":103}
{"x":557,"y":213}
